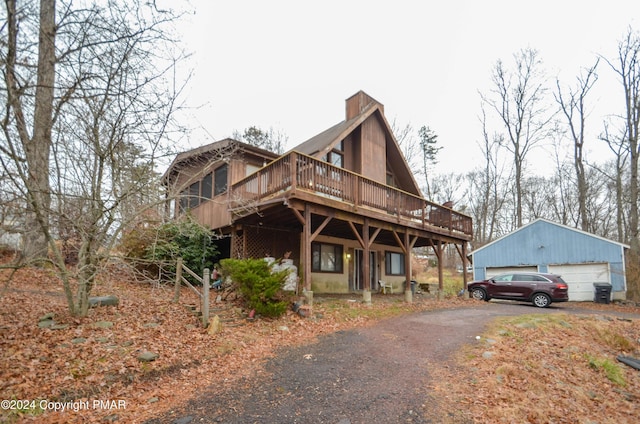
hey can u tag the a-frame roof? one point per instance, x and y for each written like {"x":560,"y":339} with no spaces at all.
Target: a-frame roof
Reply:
{"x":323,"y":142}
{"x":542,"y":221}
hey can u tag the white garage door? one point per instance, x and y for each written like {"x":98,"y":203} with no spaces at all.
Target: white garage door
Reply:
{"x":580,"y":279}
{"x":492,"y":272}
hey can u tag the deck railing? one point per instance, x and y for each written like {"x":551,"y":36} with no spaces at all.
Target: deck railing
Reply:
{"x":297,"y":171}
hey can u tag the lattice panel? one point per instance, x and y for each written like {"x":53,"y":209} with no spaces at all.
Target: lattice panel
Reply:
{"x":237,"y":246}
{"x":257,"y":242}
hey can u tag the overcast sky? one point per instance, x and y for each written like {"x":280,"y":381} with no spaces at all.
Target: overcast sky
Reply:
{"x":290,"y":65}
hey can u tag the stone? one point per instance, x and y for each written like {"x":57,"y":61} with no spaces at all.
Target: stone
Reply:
{"x":147,"y":356}
{"x":78,"y":340}
{"x":151,"y":325}
{"x":487,"y":355}
{"x":215,"y":326}
{"x":47,"y":317}
{"x":103,"y":324}
{"x":47,"y":323}
{"x":59,"y":326}
{"x":110,"y":300}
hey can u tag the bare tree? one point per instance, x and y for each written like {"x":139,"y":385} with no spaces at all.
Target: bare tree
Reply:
{"x":28,"y":112}
{"x":109,"y":97}
{"x":520,"y":104}
{"x":575,"y":111}
{"x":617,"y":144}
{"x":271,"y":140}
{"x":628,"y":69}
{"x":486,"y":184}
{"x":410,"y":147}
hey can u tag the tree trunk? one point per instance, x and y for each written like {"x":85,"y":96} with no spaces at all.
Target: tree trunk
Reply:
{"x":38,"y":148}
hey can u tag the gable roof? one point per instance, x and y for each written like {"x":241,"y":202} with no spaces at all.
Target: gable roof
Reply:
{"x":204,"y":154}
{"x":546,"y":221}
{"x":323,"y":142}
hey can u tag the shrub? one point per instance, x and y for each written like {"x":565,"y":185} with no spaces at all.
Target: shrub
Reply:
{"x":156,"y":248}
{"x":259,"y":285}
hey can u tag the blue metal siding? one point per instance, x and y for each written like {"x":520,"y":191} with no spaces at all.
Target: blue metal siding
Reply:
{"x":543,"y":243}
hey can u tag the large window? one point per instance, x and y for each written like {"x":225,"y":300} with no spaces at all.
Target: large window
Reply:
{"x":194,"y":195}
{"x":220,"y":180}
{"x":394,"y":263}
{"x":206,"y":186}
{"x":336,"y":156}
{"x":326,"y":257}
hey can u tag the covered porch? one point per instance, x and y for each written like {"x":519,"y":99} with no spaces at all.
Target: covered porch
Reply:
{"x":309,"y":199}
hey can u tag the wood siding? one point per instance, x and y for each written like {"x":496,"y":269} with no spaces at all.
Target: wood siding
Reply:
{"x":297,"y":172}
{"x":374,"y":157}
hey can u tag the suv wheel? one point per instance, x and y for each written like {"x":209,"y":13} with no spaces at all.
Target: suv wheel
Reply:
{"x":541,"y":300}
{"x":479,"y":294}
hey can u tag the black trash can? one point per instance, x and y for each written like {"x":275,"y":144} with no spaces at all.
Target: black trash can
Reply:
{"x":603,"y":292}
{"x":413,"y":287}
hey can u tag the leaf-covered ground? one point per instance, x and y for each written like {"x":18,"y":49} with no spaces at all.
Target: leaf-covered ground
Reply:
{"x":551,"y":368}
{"x":539,"y":369}
{"x":91,"y":364}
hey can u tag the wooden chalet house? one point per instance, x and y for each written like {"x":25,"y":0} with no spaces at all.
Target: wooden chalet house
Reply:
{"x":344,"y":202}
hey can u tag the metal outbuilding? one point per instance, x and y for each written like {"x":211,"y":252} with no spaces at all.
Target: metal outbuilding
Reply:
{"x":581,"y":258}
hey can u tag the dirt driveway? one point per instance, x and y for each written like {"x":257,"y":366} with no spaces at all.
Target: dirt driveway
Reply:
{"x":379,"y":374}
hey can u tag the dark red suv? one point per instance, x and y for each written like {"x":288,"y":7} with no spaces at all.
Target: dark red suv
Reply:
{"x":537,"y":288}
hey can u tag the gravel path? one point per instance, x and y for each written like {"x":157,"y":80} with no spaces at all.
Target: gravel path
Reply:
{"x":379,"y":374}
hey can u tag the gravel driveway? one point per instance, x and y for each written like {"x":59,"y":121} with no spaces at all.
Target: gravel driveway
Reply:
{"x":379,"y":374}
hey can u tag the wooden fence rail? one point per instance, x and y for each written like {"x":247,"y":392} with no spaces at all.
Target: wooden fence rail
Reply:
{"x":204,"y":280}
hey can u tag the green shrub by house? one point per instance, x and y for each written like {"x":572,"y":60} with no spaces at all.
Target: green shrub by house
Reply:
{"x":260,"y":287}
{"x":156,"y":248}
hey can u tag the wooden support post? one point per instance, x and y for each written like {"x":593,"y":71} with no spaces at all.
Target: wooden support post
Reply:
{"x":366,"y":260}
{"x":176,"y":288}
{"x":440,"y":254}
{"x":306,"y":242}
{"x":206,"y":278}
{"x":408,"y":293}
{"x":464,"y":266}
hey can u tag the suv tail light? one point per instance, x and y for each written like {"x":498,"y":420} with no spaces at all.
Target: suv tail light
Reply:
{"x":562,"y":286}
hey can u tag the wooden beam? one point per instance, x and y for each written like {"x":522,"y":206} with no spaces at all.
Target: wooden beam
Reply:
{"x":298,"y":215}
{"x":439,"y":249}
{"x":319,"y":229}
{"x":407,"y":261}
{"x":306,"y":243}
{"x":395,"y":235}
{"x":373,"y":237}
{"x":356,"y":233}
{"x":464,"y":265}
{"x":366,"y":272}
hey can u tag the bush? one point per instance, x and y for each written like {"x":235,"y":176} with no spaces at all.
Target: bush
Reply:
{"x":260,"y":287}
{"x":155,"y":249}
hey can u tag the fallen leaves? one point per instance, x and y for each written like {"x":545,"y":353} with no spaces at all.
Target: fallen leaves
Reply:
{"x":97,"y":358}
{"x":542,"y":369}
{"x":539,"y":372}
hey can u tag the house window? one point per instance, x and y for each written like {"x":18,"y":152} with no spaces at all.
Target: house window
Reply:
{"x":184,"y":201}
{"x":326,"y":257}
{"x":394,"y":263}
{"x":194,"y":195}
{"x":206,"y":186}
{"x":336,"y":159}
{"x":220,"y":180}
{"x":336,"y":156}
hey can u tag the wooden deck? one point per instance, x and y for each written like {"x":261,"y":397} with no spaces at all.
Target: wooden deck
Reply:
{"x":299,"y":173}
